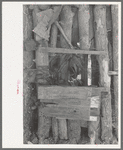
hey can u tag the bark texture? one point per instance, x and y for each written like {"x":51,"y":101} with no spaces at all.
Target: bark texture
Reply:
{"x":83,"y":18}
{"x":94,"y":62}
{"x":66,"y":19}
{"x":105,"y":81}
{"x":42,"y":62}
{"x":85,"y":34}
{"x":53,"y":42}
{"x":114,"y":9}
{"x":66,"y":24}
{"x":44,"y":122}
{"x":27,"y":63}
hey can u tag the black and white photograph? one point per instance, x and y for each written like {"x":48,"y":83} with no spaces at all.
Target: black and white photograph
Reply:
{"x":70,"y":73}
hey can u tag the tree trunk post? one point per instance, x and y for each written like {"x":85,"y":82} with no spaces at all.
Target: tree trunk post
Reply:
{"x":105,"y":81}
{"x":27,"y":63}
{"x":44,"y":122}
{"x":114,"y":10}
{"x":74,"y":129}
{"x":53,"y":42}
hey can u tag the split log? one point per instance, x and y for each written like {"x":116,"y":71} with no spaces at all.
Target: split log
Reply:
{"x":44,"y":122}
{"x":109,"y":35}
{"x":102,"y":44}
{"x":27,"y":35}
{"x":53,"y":42}
{"x":94,"y":62}
{"x":66,"y":20}
{"x":92,"y":126}
{"x":84,"y":16}
{"x":114,"y":10}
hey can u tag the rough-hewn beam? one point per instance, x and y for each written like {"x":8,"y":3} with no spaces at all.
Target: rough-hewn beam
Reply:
{"x":114,"y":9}
{"x":71,"y":51}
{"x":105,"y":80}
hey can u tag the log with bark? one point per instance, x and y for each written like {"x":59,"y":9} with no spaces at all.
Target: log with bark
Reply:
{"x":27,"y":63}
{"x":42,"y":63}
{"x":44,"y":122}
{"x":94,"y":62}
{"x":102,"y":44}
{"x":66,"y":20}
{"x":114,"y":10}
{"x":65,"y":17}
{"x":53,"y":42}
{"x":83,"y":19}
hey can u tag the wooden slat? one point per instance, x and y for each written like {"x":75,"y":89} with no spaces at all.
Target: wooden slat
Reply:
{"x":61,"y":92}
{"x":67,"y":112}
{"x":70,"y":51}
{"x":81,"y":113}
{"x":82,"y":102}
{"x":67,"y":92}
{"x":115,"y":73}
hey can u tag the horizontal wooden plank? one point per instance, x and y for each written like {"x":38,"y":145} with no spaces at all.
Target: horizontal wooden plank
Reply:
{"x":66,"y":92}
{"x":70,"y":51}
{"x":95,"y":101}
{"x":67,"y":113}
{"x":82,"y":102}
{"x":94,"y":112}
{"x":93,"y":118}
{"x":61,"y":92}
{"x":70,"y":113}
{"x":115,"y":73}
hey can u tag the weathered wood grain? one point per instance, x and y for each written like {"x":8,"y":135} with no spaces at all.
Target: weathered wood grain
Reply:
{"x":83,"y":18}
{"x":66,"y":19}
{"x":67,"y":92}
{"x":71,"y":51}
{"x":113,"y":73}
{"x":44,"y":122}
{"x":115,"y":22}
{"x":101,"y":42}
{"x":83,"y":102}
{"x":53,"y":42}
{"x":56,"y":92}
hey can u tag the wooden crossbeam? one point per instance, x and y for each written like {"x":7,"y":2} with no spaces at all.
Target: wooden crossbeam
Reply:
{"x":70,"y":51}
{"x":114,"y":73}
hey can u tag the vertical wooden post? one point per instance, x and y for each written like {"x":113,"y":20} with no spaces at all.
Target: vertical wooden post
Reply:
{"x":66,"y":23}
{"x":27,"y":34}
{"x":94,"y":62}
{"x":44,"y":122}
{"x":102,"y":44}
{"x":84,"y":16}
{"x":85,"y":34}
{"x":53,"y":42}
{"x":74,"y":129}
{"x":109,"y":34}
{"x":92,"y":126}
{"x":114,"y":9}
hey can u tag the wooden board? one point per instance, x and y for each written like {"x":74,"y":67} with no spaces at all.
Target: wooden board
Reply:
{"x":70,"y":51}
{"x":67,"y":92}
{"x":80,"y":103}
